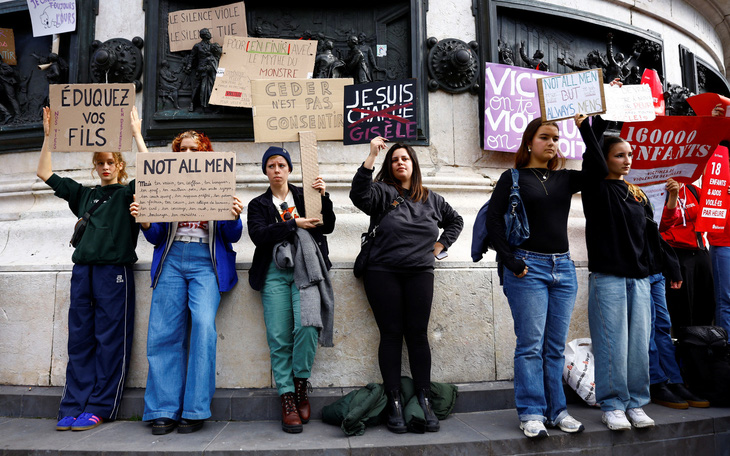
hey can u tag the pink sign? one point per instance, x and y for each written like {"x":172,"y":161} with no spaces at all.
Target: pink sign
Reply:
{"x":510,"y":102}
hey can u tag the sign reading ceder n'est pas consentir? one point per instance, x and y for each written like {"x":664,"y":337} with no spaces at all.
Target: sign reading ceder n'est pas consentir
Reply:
{"x":91,"y":117}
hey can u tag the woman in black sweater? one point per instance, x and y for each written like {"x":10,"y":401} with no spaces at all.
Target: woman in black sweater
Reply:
{"x":399,"y":275}
{"x":619,"y":259}
{"x":539,"y":276}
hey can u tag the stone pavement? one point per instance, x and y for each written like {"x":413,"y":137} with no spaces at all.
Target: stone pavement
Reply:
{"x":481,"y":425}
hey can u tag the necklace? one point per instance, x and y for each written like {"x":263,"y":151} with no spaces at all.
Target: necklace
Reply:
{"x":542,"y":178}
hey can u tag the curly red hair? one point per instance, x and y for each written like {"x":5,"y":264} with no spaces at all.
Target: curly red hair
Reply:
{"x":204,"y":144}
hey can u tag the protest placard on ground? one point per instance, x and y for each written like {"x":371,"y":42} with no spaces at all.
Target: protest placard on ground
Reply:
{"x":511,"y":102}
{"x":246,"y":59}
{"x":565,"y":95}
{"x":283,"y":108}
{"x":185,"y":186}
{"x":183,"y":26}
{"x":673,"y":146}
{"x":48,"y":18}
{"x":630,"y":103}
{"x":91,"y":117}
{"x":7,"y":46}
{"x":714,"y":197}
{"x":387,"y":109}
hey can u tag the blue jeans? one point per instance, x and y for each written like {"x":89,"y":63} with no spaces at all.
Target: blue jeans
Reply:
{"x":541,"y":303}
{"x":181,"y":377}
{"x":721,"y":274}
{"x":619,"y":315}
{"x":292,"y":347}
{"x":662,"y":359}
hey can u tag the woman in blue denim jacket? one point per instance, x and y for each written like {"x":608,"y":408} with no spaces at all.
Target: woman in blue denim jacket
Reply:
{"x":539,"y":277}
{"x":193,"y":263}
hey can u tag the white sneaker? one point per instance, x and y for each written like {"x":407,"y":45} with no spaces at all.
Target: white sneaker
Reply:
{"x":616,"y":420}
{"x":533,"y":429}
{"x":570,"y":425}
{"x":638,"y":418}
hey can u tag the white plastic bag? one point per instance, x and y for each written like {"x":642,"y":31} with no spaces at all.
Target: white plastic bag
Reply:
{"x":579,"y":367}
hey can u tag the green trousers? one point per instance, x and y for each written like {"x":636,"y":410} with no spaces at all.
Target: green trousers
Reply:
{"x":291,"y":346}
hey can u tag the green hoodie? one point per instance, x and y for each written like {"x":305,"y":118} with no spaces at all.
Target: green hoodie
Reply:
{"x":111,"y":234}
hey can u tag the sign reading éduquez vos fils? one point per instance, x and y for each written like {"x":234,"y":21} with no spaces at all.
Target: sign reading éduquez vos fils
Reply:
{"x":91,"y":117}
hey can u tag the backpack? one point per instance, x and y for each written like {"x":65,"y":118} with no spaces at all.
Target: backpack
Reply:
{"x":480,"y":238}
{"x":704,"y":359}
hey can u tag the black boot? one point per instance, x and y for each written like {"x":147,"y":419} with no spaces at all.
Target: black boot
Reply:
{"x":396,"y":422}
{"x":432,"y":423}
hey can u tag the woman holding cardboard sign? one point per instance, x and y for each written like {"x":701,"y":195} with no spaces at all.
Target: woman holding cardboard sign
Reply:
{"x":101,"y":313}
{"x":290,"y":268}
{"x":193,"y":263}
{"x":539,"y":276}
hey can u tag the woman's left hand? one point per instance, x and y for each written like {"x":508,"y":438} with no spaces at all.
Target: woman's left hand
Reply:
{"x":617,"y":82}
{"x":675,"y":284}
{"x":320,"y":185}
{"x":237,"y":208}
{"x":718,"y":110}
{"x":437,"y":248}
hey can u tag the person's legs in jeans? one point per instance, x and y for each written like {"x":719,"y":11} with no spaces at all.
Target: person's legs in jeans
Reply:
{"x":721,"y":275}
{"x":661,"y":346}
{"x":656,"y":372}
{"x":203,"y":301}
{"x":561,"y":292}
{"x":528,"y":300}
{"x":608,"y":321}
{"x":639,"y":329}
{"x":167,"y":348}
{"x":385,"y":295}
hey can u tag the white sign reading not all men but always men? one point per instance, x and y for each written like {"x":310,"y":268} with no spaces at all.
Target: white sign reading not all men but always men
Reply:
{"x":565,"y":95}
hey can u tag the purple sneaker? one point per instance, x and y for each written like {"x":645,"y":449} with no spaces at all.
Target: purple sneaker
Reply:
{"x":86,"y":421}
{"x":64,"y":424}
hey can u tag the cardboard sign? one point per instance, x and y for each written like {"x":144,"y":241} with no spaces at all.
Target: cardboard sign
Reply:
{"x":673,"y":146}
{"x":310,"y":171}
{"x":7,"y":46}
{"x":714,"y":198}
{"x":565,"y":95}
{"x":183,"y":27}
{"x":51,"y":17}
{"x":630,"y":103}
{"x":651,"y":78}
{"x":283,"y":108}
{"x":703,"y":103}
{"x":185,"y":186}
{"x":511,"y":102}
{"x":91,"y":117}
{"x":246,"y":59}
{"x":386,"y":109}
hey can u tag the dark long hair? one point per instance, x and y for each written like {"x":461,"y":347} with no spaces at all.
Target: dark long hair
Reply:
{"x":522,"y":157}
{"x":418,"y":191}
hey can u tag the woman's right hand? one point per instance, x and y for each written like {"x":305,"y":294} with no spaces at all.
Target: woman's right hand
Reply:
{"x":134,"y":212}
{"x":672,"y":187}
{"x":307,"y":223}
{"x":579,"y":118}
{"x":46,"y":120}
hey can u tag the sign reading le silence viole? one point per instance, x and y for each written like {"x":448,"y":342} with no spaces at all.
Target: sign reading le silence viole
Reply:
{"x":91,"y":117}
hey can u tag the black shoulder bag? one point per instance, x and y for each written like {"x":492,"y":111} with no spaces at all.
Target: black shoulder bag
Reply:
{"x":80,"y":226}
{"x":366,"y":240}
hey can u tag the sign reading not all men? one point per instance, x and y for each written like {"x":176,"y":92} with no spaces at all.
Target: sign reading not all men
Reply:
{"x":565,"y":95}
{"x":387,"y":109}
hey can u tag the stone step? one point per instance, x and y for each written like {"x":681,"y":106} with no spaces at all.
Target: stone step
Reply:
{"x":678,"y":432}
{"x":239,"y":404}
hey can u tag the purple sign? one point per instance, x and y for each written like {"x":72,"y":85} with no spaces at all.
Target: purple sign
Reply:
{"x":511,"y":102}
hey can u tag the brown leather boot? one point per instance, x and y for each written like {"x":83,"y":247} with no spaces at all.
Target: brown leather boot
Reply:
{"x":290,"y":421}
{"x":301,"y":385}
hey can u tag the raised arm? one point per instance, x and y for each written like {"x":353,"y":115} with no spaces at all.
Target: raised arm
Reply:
{"x":45,"y":166}
{"x":137,"y":130}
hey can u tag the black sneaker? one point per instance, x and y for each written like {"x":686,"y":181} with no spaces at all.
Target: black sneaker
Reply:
{"x":660,"y":394}
{"x":680,"y":390}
